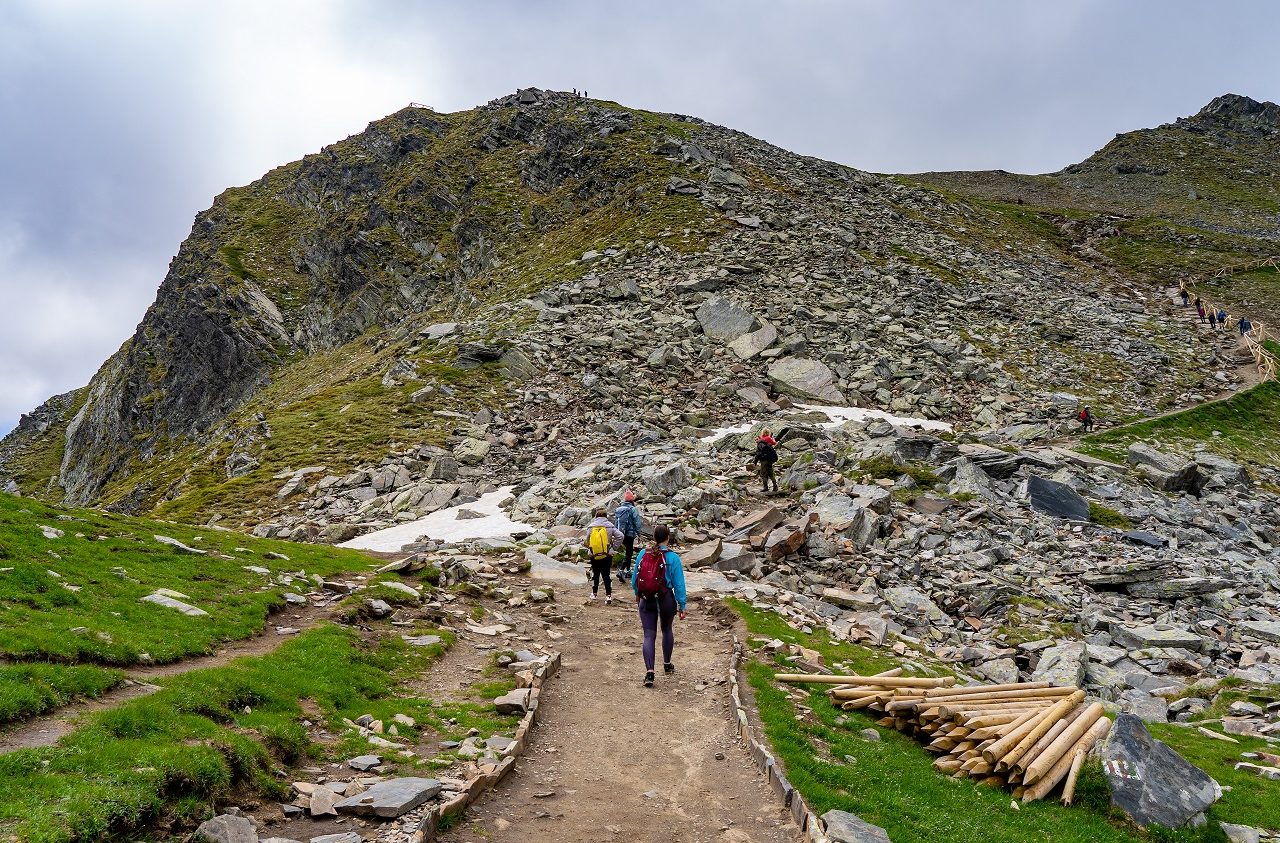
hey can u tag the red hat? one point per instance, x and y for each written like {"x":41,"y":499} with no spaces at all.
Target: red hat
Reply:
{"x":629,"y":495}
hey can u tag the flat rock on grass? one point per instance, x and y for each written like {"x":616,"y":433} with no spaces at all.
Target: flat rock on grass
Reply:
{"x":177,"y":545}
{"x":843,"y":827}
{"x":173,"y":603}
{"x":391,"y":798}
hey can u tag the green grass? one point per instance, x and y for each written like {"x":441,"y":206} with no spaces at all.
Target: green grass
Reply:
{"x":115,"y":561}
{"x":1107,"y":516}
{"x":891,"y":783}
{"x":29,"y":690}
{"x":205,"y":734}
{"x":1252,"y":799}
{"x":1245,"y":425}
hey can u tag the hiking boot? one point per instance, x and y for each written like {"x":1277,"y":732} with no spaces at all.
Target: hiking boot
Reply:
{"x":593,"y":597}
{"x":608,"y":600}
{"x":668,"y":668}
{"x":648,"y":679}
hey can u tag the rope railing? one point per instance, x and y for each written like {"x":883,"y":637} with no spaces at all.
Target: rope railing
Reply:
{"x":1256,"y":337}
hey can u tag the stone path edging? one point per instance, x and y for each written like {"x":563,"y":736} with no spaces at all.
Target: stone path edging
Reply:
{"x":752,"y":737}
{"x":487,"y":779}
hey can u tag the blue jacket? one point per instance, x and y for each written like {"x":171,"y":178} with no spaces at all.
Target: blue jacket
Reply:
{"x":627,"y":517}
{"x":675,"y":575}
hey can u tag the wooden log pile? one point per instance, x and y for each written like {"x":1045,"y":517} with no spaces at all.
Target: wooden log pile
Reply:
{"x":1029,"y":736}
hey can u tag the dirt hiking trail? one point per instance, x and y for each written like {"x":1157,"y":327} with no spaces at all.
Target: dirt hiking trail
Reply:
{"x":48,"y":729}
{"x":612,"y":760}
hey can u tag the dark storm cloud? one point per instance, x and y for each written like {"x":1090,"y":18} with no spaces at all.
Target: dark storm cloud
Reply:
{"x":120,"y":120}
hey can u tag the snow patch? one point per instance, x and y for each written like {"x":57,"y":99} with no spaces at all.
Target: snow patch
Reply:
{"x":445,"y":525}
{"x":838,"y":416}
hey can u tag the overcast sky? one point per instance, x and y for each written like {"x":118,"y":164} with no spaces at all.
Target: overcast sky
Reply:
{"x":121,"y":119}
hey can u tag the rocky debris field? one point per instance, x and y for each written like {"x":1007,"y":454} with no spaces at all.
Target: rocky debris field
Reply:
{"x":992,"y":557}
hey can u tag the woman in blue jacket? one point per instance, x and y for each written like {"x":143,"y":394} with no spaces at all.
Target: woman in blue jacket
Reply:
{"x":661,"y":606}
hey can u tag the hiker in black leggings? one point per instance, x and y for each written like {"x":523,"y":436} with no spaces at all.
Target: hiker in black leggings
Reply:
{"x":661,"y":606}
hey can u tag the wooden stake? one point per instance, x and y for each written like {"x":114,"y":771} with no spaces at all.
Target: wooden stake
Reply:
{"x":1041,"y":787}
{"x":1033,"y":772}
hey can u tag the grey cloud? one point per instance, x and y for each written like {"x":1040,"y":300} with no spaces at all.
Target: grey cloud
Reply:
{"x":121,"y":121}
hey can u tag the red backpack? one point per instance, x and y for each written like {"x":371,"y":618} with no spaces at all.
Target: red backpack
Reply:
{"x":651,"y":580}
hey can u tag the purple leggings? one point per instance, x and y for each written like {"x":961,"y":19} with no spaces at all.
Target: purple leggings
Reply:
{"x":653,"y":609}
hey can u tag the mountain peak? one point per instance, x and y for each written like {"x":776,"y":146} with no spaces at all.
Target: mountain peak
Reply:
{"x":1241,"y":113}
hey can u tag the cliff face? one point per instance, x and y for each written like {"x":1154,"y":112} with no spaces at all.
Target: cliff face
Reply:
{"x":526,"y":280}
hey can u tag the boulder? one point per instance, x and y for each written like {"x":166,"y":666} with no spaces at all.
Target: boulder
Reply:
{"x":702,"y":555}
{"x":390,"y":798}
{"x":805,"y":379}
{"x":736,"y":557}
{"x":915,"y":604}
{"x":666,"y":480}
{"x":843,"y":827}
{"x":1063,"y":664}
{"x":471,"y":451}
{"x":1266,"y":630}
{"x":724,"y":320}
{"x":1166,"y":472}
{"x":1054,"y":498}
{"x":227,"y":829}
{"x":1150,"y":782}
{"x":749,"y":345}
{"x":1141,"y":637}
{"x":515,"y":702}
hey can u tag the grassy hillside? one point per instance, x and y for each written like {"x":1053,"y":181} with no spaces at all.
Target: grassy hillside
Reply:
{"x":70,"y":604}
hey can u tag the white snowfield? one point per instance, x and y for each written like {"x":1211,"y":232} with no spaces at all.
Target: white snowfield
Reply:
{"x":446,"y":526}
{"x":838,"y":416}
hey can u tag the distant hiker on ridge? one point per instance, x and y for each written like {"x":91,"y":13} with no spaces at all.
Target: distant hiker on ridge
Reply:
{"x":766,"y":455}
{"x":1086,"y":420}
{"x":627,"y":517}
{"x":1245,"y":325}
{"x":1186,"y":296}
{"x":658,"y":581}
{"x":1200,"y":310}
{"x":602,"y":540}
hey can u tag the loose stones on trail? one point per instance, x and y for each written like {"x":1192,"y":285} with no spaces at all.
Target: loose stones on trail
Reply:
{"x":390,"y":798}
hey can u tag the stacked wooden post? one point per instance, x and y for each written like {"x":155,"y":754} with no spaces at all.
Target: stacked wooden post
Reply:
{"x":1030,"y":736}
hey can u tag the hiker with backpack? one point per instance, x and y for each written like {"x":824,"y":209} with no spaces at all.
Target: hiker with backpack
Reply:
{"x":1086,"y":420}
{"x":766,"y":455}
{"x":602,"y":540}
{"x":627,"y":517}
{"x":658,"y":581}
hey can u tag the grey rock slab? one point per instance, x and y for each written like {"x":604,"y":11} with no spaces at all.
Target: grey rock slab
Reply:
{"x":1266,"y":630}
{"x":702,"y":555}
{"x":1143,"y":705}
{"x":724,"y":320}
{"x":365,"y":762}
{"x":1054,"y":498}
{"x":390,"y":798}
{"x":177,"y":545}
{"x":1141,"y":637}
{"x":801,"y":377}
{"x":1063,"y":664}
{"x":1240,"y":833}
{"x":227,"y":829}
{"x":1145,"y":538}
{"x":172,"y":603}
{"x":911,"y":601}
{"x":749,"y":345}
{"x":341,"y":837}
{"x":1150,"y":782}
{"x":843,"y":827}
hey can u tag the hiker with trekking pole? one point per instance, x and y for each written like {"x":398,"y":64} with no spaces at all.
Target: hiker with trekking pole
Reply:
{"x":658,"y":582}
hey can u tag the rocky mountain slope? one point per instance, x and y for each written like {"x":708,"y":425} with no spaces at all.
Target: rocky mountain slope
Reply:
{"x":498,"y":291}
{"x":1179,"y":201}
